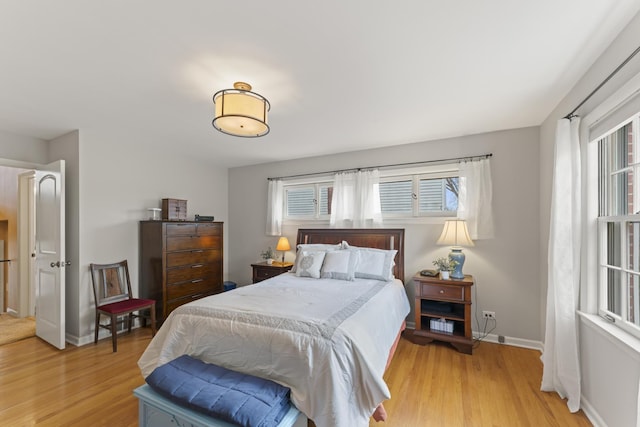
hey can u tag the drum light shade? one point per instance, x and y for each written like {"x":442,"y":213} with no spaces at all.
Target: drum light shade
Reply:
{"x":240,"y":112}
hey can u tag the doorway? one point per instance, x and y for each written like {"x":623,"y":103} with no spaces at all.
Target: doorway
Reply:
{"x":35,"y":286}
{"x":9,"y":235}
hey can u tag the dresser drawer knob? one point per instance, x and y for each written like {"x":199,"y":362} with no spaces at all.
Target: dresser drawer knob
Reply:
{"x":197,"y":280}
{"x":196,"y":266}
{"x":442,"y":291}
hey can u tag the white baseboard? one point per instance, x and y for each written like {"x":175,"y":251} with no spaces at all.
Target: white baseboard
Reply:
{"x":79,"y":341}
{"x":516,"y":342}
{"x":591,"y":413}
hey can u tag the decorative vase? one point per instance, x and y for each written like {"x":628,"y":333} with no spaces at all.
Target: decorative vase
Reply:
{"x":457,"y":255}
{"x":444,"y":275}
{"x":269,"y":261}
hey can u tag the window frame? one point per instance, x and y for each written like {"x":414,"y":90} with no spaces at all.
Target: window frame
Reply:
{"x":604,"y":194}
{"x":316,"y":183}
{"x":316,"y":187}
{"x":432,"y":171}
{"x":415,"y":181}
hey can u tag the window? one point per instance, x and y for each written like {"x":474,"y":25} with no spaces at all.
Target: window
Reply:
{"x":619,"y":225}
{"x":419,"y":195}
{"x":428,"y":191}
{"x":307,"y":201}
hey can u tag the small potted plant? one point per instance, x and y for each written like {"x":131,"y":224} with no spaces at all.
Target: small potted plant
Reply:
{"x":268,"y":255}
{"x":445,"y":265}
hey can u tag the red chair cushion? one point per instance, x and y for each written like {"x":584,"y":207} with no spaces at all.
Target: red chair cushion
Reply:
{"x":126,"y":306}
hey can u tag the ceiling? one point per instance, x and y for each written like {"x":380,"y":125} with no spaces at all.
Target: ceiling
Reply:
{"x":340,"y":75}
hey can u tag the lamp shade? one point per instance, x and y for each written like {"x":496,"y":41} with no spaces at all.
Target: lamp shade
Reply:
{"x":455,"y":233}
{"x":240,"y":112}
{"x":283,"y":244}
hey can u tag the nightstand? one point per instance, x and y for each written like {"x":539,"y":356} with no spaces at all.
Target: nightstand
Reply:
{"x":262,"y":270}
{"x":443,"y":311}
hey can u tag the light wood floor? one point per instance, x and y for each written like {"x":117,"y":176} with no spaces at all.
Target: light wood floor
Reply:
{"x":431,"y":385}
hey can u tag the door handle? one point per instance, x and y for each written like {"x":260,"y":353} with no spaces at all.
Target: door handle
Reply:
{"x":60,"y":264}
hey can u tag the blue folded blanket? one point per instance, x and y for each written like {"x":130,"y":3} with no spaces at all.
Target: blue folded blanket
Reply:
{"x":224,"y":394}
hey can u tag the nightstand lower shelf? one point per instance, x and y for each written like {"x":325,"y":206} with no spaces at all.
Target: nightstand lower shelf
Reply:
{"x":458,"y":341}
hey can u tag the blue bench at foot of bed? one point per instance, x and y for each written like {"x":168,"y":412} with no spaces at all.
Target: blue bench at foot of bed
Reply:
{"x":158,"y":411}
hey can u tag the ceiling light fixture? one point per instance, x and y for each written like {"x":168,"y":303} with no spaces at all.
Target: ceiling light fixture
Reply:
{"x":240,"y":112}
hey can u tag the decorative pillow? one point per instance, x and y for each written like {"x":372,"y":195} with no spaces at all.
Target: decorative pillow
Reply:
{"x":313,"y":247}
{"x":375,"y":263}
{"x":339,"y":265}
{"x":308,"y":264}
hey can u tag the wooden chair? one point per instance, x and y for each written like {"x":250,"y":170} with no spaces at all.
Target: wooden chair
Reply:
{"x":113,"y":297}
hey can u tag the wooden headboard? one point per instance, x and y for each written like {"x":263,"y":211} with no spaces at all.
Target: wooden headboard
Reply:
{"x":381,"y":238}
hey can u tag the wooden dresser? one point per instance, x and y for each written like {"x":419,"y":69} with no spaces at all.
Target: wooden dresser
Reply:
{"x":180,"y":261}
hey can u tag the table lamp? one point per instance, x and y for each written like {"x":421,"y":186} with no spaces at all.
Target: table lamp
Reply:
{"x":283,"y":245}
{"x":455,"y":234}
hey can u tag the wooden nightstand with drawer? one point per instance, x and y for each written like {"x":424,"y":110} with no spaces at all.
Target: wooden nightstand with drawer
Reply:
{"x":443,"y":311}
{"x":263,"y":271}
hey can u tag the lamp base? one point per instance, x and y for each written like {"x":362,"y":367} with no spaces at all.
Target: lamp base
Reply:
{"x":457,"y":255}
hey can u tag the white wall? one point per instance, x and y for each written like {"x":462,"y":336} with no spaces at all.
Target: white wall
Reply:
{"x":602,"y":362}
{"x":120,"y":176}
{"x":505,"y":268}
{"x":23,"y":148}
{"x":112,"y":178}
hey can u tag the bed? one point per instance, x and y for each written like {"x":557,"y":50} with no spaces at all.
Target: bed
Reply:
{"x":327,"y":330}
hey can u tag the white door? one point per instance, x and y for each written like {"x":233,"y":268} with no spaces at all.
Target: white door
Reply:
{"x":50,"y":254}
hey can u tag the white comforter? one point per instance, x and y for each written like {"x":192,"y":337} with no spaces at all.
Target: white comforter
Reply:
{"x":328,"y":340}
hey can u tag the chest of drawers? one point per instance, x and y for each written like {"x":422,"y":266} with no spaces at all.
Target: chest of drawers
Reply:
{"x":179,"y":262}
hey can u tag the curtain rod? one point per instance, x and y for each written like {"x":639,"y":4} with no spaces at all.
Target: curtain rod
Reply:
{"x":634,"y":53}
{"x":424,"y":162}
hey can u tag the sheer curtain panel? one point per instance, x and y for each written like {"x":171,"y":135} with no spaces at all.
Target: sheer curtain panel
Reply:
{"x":356,"y":200}
{"x":275,"y":207}
{"x":475,"y":198}
{"x":561,"y":371}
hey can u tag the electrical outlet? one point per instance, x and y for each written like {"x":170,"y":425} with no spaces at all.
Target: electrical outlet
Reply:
{"x":489,"y":314}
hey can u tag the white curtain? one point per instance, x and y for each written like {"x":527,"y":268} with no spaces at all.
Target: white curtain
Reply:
{"x":561,"y":372}
{"x":356,"y":199}
{"x":275,"y":207}
{"x":475,"y":197}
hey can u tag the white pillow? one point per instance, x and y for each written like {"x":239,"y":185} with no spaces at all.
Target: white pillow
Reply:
{"x":309,"y":264}
{"x":319,"y":246}
{"x":339,"y":265}
{"x":313,"y":247}
{"x":375,"y":263}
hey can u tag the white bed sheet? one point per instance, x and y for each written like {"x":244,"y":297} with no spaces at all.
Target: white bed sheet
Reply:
{"x":328,"y":340}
